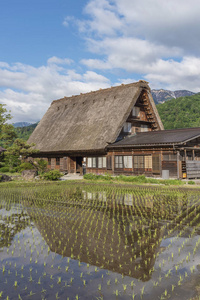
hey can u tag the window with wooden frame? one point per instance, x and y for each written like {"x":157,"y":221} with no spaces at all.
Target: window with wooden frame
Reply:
{"x":141,"y":162}
{"x":127,"y":162}
{"x":101,"y":162}
{"x":94,"y":162}
{"x":104,"y":162}
{"x":118,"y":162}
{"x":138,"y":161}
{"x":148,"y":162}
{"x":57,"y":161}
{"x":89,"y":162}
{"x":49,"y":161}
{"x":135,"y":111}
{"x":123,"y":162}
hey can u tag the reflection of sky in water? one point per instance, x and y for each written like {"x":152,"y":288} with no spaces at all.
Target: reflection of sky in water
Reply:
{"x":47,"y":275}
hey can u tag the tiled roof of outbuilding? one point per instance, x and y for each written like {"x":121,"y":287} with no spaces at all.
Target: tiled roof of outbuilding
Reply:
{"x":160,"y":137}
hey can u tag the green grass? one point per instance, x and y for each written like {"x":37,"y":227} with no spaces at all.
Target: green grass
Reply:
{"x":133,"y":179}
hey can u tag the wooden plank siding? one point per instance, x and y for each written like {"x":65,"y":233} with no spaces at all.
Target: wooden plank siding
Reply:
{"x":171,"y":166}
{"x":72,"y":164}
{"x":193,"y":169}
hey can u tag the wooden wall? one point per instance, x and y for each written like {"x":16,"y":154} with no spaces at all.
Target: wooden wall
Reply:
{"x":171,"y":166}
{"x":193,"y":169}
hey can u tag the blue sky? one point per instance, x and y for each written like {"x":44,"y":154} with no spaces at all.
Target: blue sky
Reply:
{"x":32,"y":31}
{"x":56,"y":48}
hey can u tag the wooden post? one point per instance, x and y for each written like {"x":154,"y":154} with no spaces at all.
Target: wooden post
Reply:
{"x":132,"y":162}
{"x":113,"y":162}
{"x":178,"y":170}
{"x":193,"y":155}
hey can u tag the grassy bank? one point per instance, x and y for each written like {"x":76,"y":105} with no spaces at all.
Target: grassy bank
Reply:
{"x":122,"y":179}
{"x":135,"y":179}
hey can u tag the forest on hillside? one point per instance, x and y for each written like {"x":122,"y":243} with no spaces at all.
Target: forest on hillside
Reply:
{"x":24,"y":132}
{"x":183,"y":112}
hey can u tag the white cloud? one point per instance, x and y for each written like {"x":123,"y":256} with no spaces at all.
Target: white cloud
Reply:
{"x":157,"y":39}
{"x":176,"y":75}
{"x":59,"y":61}
{"x":172,"y":23}
{"x":151,"y":39}
{"x":90,"y":76}
{"x":68,"y":20}
{"x":105,"y":18}
{"x":28,"y":91}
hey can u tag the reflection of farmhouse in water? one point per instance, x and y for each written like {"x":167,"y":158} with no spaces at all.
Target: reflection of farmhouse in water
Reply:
{"x":11,"y":223}
{"x":107,"y":233}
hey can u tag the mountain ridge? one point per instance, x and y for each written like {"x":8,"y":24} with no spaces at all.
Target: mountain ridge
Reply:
{"x":22,"y":124}
{"x":161,"y":95}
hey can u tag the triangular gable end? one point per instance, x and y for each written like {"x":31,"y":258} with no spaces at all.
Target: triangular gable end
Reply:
{"x":142,"y":116}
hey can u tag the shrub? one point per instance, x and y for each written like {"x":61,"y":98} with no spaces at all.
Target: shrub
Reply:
{"x":191,"y":182}
{"x":41,"y":165}
{"x":25,"y":166}
{"x":90,"y":176}
{"x":4,"y":169}
{"x":13,"y":171}
{"x":52,"y":175}
{"x":173,"y":182}
{"x":140,"y":178}
{"x":2,"y":164}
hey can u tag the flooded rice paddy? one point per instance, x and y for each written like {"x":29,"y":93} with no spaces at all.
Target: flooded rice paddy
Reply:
{"x":75,"y":241}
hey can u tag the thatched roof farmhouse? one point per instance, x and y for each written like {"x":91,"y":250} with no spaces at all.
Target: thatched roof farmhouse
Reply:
{"x":93,"y":129}
{"x":89,"y":121}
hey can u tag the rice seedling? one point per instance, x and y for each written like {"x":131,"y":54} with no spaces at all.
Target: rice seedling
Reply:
{"x":129,"y":232}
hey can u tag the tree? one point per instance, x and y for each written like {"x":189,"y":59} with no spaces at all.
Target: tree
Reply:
{"x":7,"y":131}
{"x":8,"y":135}
{"x":18,"y":152}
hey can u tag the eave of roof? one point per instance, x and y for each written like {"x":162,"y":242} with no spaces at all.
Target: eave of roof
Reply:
{"x":158,"y":138}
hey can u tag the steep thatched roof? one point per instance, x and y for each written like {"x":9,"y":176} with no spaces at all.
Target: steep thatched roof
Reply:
{"x":88,"y":121}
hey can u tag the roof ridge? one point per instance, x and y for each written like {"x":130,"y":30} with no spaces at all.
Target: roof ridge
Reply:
{"x":139,"y":83}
